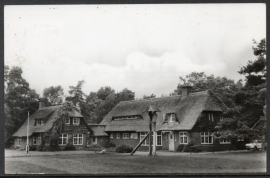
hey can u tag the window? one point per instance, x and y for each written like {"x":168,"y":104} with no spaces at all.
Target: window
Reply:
{"x":39,"y":139}
{"x":76,"y":121}
{"x":183,"y":139}
{"x":159,"y":140}
{"x":240,"y":139}
{"x":67,"y":121}
{"x":125,"y":135}
{"x":211,"y":116}
{"x":118,"y":136}
{"x":146,"y":141}
{"x":63,"y":139}
{"x":34,"y":140}
{"x":225,"y":141}
{"x":166,"y":136}
{"x":19,"y":141}
{"x":206,"y":138}
{"x":112,"y":136}
{"x":77,"y":139}
{"x":170,"y":117}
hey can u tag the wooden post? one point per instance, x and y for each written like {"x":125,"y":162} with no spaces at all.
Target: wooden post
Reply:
{"x":154,"y":138}
{"x":150,"y":133}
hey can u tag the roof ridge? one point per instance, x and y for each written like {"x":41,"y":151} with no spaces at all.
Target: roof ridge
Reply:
{"x":150,"y":99}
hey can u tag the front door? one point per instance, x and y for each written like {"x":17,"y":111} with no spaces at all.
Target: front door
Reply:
{"x":171,"y":141}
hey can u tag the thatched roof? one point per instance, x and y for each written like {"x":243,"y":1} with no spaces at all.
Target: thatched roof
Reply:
{"x":98,"y":130}
{"x":187,"y":110}
{"x":46,"y":113}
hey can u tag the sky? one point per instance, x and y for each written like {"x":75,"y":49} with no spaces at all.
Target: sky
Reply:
{"x":144,"y":48}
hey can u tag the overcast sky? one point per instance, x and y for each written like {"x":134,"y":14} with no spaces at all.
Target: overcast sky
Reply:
{"x":144,"y":48}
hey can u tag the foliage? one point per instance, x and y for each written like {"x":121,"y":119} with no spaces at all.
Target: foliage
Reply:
{"x":109,"y":145}
{"x":224,"y":88}
{"x":40,"y":147}
{"x":51,"y":136}
{"x":19,"y":100}
{"x":32,"y":148}
{"x":69,"y":147}
{"x":103,"y":101}
{"x":54,"y":94}
{"x":150,"y":96}
{"x":124,"y":149}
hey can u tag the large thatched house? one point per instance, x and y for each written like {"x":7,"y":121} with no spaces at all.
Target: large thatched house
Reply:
{"x":186,"y":118}
{"x":76,"y":130}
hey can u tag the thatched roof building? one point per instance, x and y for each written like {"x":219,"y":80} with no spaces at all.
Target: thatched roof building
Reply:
{"x":133,"y":116}
{"x":48,"y":115}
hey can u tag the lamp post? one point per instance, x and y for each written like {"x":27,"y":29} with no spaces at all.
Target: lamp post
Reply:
{"x":151,"y":112}
{"x":27,"y":141}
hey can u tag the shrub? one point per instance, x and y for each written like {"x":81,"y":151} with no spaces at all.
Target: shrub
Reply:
{"x":12,"y":147}
{"x":69,"y":147}
{"x":124,"y":149}
{"x":180,"y":148}
{"x":109,"y":145}
{"x":40,"y":147}
{"x":32,"y":148}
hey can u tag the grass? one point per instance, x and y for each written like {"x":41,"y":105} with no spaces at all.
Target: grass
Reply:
{"x":117,"y":163}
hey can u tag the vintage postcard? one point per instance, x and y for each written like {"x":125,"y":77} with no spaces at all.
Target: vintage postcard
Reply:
{"x":135,"y":89}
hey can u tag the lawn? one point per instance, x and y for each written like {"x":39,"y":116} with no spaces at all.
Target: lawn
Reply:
{"x":242,"y":162}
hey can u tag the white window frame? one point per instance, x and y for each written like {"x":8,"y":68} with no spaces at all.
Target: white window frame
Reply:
{"x":67,"y":119}
{"x":159,"y":135}
{"x":225,"y":141}
{"x":41,"y":122}
{"x":183,"y":135}
{"x":171,"y":117}
{"x":62,"y":138}
{"x":112,"y":135}
{"x":34,"y":140}
{"x":207,"y":135}
{"x":125,"y":135}
{"x":117,"y":135}
{"x":39,"y":140}
{"x":142,"y":135}
{"x":76,"y":119}
{"x":77,"y":137}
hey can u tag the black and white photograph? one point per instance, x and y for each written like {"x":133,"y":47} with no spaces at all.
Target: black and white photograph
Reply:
{"x":135,"y":89}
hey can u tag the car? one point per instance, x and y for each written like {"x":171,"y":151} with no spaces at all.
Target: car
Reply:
{"x":255,"y":145}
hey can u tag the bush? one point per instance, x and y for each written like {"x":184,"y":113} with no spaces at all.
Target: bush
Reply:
{"x":12,"y":147}
{"x":40,"y":147}
{"x":124,"y":149}
{"x":69,"y":147}
{"x":32,"y":148}
{"x":109,"y":145}
{"x":180,"y":148}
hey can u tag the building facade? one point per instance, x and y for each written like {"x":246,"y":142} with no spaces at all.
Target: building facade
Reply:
{"x":184,"y":119}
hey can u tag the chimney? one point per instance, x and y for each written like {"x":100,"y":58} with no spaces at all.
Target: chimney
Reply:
{"x":41,"y":102}
{"x":186,"y":90}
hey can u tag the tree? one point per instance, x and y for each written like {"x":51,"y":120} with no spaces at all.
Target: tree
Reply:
{"x":249,"y":99}
{"x":76,"y":93}
{"x":223,"y":87}
{"x":54,"y":94}
{"x":19,"y":100}
{"x":103,"y":92}
{"x":150,"y":96}
{"x":100,"y":103}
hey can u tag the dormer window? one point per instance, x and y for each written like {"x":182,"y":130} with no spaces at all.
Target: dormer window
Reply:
{"x":39,"y":122}
{"x":76,"y":121}
{"x":67,"y":121}
{"x":171,"y":117}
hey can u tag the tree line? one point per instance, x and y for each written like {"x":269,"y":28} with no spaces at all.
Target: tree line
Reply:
{"x":245,"y":99}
